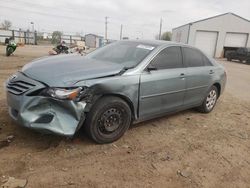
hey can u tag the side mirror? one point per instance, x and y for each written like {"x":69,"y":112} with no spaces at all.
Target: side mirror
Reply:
{"x":151,"y":68}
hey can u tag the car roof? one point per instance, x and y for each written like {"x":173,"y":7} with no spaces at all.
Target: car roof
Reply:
{"x":158,"y":42}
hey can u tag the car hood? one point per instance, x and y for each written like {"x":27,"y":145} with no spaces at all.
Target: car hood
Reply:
{"x":66,"y":70}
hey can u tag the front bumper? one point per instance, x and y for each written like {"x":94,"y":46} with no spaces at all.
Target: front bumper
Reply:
{"x":44,"y":114}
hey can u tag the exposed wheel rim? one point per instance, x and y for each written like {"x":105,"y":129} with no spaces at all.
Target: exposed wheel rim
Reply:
{"x":111,"y":121}
{"x":211,"y":99}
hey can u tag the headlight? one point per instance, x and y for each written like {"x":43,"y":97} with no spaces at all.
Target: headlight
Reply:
{"x":63,"y":94}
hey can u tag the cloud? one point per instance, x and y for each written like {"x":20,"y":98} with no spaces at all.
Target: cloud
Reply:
{"x":140,"y":18}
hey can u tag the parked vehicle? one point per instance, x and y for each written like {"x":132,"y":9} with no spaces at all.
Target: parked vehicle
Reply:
{"x":10,"y":46}
{"x":114,"y":86}
{"x":241,"y":54}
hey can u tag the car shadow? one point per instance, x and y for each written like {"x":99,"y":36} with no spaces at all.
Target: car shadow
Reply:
{"x":37,"y":141}
{"x":238,"y":61}
{"x":171,"y":115}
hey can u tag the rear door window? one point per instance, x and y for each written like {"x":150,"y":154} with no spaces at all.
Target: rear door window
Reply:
{"x":194,"y":58}
{"x":206,"y":61}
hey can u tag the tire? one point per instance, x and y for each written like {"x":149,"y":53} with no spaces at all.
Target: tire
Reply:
{"x":9,"y":51}
{"x":211,"y":98}
{"x":108,"y":120}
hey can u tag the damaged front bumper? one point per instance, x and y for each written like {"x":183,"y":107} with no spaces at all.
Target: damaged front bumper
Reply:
{"x":44,"y":114}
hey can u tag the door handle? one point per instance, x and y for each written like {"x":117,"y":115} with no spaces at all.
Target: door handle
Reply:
{"x":211,"y":72}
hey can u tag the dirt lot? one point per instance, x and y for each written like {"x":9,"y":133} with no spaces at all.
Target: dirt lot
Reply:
{"x":187,"y":149}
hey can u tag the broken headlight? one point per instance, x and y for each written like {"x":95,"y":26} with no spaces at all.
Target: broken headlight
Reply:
{"x":63,"y":93}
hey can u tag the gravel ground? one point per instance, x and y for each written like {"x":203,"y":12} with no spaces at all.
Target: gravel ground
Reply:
{"x":187,"y":149}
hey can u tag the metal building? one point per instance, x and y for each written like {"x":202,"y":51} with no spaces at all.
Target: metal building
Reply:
{"x":216,"y":35}
{"x":93,"y":41}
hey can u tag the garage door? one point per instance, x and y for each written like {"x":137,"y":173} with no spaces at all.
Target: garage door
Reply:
{"x":236,"y":40}
{"x":206,"y":41}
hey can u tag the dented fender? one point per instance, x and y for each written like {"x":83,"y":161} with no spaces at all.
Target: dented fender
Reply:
{"x":46,"y":114}
{"x":127,"y":89}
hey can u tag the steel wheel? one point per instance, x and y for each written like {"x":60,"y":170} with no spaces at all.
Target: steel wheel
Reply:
{"x":110,"y":121}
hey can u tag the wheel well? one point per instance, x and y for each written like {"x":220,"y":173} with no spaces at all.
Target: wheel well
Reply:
{"x":126,"y":99}
{"x":217,"y":85}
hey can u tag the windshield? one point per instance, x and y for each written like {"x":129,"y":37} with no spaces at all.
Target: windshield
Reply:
{"x":127,"y":53}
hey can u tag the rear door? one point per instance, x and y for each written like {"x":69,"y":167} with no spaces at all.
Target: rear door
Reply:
{"x":199,"y":75}
{"x":163,"y":89}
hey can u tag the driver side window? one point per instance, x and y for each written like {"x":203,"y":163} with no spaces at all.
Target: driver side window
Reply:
{"x":169,"y":58}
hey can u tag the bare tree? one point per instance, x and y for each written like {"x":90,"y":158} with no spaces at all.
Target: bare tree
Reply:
{"x":6,"y":24}
{"x":166,"y":36}
{"x":56,"y":37}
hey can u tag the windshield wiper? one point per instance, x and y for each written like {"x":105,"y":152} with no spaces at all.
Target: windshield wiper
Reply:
{"x":124,"y":69}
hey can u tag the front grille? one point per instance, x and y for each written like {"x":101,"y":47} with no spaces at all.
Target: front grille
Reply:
{"x":19,"y":87}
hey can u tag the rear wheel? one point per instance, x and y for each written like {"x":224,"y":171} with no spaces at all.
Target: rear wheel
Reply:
{"x":210,"y":100}
{"x":108,"y":120}
{"x":9,"y":51}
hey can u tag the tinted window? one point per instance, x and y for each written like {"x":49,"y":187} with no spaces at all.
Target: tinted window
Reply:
{"x":206,"y":61}
{"x":193,"y":58}
{"x":168,"y":58}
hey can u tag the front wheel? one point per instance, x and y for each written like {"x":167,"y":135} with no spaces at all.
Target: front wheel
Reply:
{"x":210,"y":100}
{"x":108,"y":120}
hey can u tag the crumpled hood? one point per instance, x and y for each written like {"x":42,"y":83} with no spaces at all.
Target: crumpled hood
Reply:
{"x":65,"y":70}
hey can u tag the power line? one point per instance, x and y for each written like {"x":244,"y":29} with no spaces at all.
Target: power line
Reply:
{"x":63,"y":16}
{"x":56,"y":15}
{"x":34,"y":9}
{"x":49,"y":14}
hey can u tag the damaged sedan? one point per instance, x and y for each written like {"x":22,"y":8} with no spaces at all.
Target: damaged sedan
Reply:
{"x":112,"y":87}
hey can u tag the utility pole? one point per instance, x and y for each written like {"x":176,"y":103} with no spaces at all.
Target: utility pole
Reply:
{"x":160,"y":29}
{"x":106,"y":28}
{"x":32,"y":23}
{"x":33,"y":32}
{"x":121,"y":33}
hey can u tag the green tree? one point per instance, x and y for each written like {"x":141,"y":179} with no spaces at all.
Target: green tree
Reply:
{"x":166,"y":36}
{"x":56,"y":37}
{"x":6,"y":24}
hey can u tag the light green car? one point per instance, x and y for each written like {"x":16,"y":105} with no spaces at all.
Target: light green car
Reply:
{"x":109,"y":89}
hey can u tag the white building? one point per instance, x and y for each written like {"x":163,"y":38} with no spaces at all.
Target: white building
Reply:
{"x":93,"y":41}
{"x":216,"y":35}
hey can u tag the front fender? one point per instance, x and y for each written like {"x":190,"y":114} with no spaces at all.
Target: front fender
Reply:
{"x":126,"y":87}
